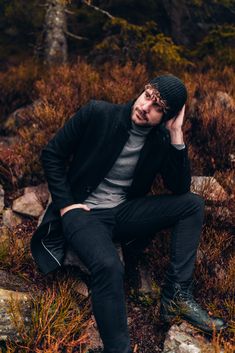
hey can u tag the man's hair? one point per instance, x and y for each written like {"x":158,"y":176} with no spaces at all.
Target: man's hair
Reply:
{"x":156,"y":96}
{"x":173,"y":91}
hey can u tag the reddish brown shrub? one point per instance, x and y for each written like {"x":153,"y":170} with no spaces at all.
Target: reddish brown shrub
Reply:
{"x":16,"y":86}
{"x":211,"y":126}
{"x":60,"y":94}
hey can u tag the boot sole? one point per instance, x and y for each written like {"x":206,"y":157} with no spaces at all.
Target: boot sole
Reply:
{"x":168,"y":319}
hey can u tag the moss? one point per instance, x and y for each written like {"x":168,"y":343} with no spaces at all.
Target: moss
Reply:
{"x":140,"y":44}
{"x":219,"y":44}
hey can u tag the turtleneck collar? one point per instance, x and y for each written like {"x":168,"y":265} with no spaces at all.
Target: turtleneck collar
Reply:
{"x":140,"y":130}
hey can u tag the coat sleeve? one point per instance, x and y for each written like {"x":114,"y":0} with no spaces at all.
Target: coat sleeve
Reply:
{"x":176,"y":170}
{"x":55,"y":156}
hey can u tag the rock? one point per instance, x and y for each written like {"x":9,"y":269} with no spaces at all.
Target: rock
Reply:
{"x":81,"y":288}
{"x":186,"y":339}
{"x":19,"y":304}
{"x":220,"y":272}
{"x":10,"y":219}
{"x":201,"y":257}
{"x":145,"y":280}
{"x":1,"y":198}
{"x":41,"y":191}
{"x":28,"y":204}
{"x":20,"y":116}
{"x":13,"y":282}
{"x":94,"y":336}
{"x":232,"y":158}
{"x":33,"y":200}
{"x":209,"y":188}
{"x":225,"y":100}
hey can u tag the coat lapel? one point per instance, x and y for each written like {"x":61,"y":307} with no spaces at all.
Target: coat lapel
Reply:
{"x":118,"y":136}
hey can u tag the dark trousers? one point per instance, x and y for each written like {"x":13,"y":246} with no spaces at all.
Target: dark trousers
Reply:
{"x":92,"y":235}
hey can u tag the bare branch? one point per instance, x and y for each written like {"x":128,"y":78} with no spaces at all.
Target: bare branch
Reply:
{"x":75,"y":36}
{"x":88,"y":3}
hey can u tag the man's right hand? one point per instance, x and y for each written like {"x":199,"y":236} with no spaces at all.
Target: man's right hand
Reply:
{"x":75,"y":205}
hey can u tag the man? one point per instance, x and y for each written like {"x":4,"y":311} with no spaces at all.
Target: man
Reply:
{"x":100,"y":197}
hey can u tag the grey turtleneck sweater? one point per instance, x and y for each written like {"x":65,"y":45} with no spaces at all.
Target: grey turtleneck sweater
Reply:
{"x":113,"y":189}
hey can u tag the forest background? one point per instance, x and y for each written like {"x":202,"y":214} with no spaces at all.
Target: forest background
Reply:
{"x":55,"y":55}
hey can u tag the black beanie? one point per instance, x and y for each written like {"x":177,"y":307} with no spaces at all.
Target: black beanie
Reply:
{"x":173,"y":91}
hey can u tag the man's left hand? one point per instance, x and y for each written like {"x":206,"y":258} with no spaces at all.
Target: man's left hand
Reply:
{"x":175,"y":124}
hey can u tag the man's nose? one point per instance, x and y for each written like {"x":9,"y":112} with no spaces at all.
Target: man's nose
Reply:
{"x":146,"y":106}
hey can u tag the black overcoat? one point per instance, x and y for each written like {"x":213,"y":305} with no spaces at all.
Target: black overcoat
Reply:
{"x":79,"y":156}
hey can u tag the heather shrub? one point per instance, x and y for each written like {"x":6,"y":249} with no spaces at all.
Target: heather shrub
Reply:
{"x":59,"y":96}
{"x":122,"y":83}
{"x":16,"y":87}
{"x":15,"y":249}
{"x":210,"y":125}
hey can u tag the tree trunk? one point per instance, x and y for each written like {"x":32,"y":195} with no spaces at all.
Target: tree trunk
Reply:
{"x":56,"y":25}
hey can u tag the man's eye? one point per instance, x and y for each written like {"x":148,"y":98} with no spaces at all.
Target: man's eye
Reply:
{"x":147,"y":95}
{"x":158,"y":108}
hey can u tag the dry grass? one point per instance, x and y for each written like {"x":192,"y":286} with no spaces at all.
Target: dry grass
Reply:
{"x":59,"y":320}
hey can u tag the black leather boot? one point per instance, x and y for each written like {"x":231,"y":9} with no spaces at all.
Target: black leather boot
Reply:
{"x":177,"y":300}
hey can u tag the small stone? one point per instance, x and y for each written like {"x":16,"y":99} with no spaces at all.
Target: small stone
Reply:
{"x":209,"y":188}
{"x":41,"y":191}
{"x":94,"y":336}
{"x":10,"y":219}
{"x":184,"y":338}
{"x":81,"y":288}
{"x":28,"y":204}
{"x":145,"y":280}
{"x":1,"y":198}
{"x":225,"y":100}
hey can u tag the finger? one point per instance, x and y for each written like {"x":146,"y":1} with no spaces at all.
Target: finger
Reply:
{"x":85,"y":207}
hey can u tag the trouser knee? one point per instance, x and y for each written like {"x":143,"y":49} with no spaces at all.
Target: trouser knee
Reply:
{"x":194,"y":201}
{"x":108,"y":271}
